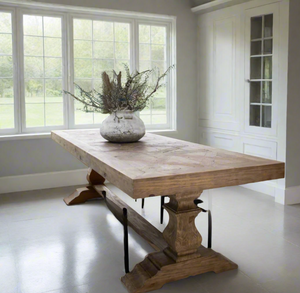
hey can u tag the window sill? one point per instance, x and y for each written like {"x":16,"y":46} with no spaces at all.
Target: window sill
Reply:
{"x":48,"y":135}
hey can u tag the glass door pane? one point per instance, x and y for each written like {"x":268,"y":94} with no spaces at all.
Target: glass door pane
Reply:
{"x":261,"y":71}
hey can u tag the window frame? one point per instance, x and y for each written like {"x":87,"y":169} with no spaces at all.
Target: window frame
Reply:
{"x":170,"y":84}
{"x":67,"y":14}
{"x":40,"y":129}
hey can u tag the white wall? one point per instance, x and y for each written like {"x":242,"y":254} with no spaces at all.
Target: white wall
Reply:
{"x":20,"y":157}
{"x":293,"y":105}
{"x":223,"y":93}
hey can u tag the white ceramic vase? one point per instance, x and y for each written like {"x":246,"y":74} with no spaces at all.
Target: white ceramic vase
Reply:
{"x":122,"y":126}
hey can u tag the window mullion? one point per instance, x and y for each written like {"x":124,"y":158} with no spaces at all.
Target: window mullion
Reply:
{"x":65,"y":62}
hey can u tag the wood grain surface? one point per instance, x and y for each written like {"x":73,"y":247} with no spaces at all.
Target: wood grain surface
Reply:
{"x":158,"y":165}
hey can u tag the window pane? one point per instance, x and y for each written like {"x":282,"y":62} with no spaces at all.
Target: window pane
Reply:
{"x":54,"y":114}
{"x":157,"y":52}
{"x":255,"y":115}
{"x":53,"y":67}
{"x":104,"y":50}
{"x":5,"y":22}
{"x":159,"y":106}
{"x":160,"y":65}
{"x":52,"y":27}
{"x":145,"y":65}
{"x":266,"y":116}
{"x":268,"y":46}
{"x":6,"y":66}
{"x":34,"y":91}
{"x":122,"y":51}
{"x":83,"y":68}
{"x":86,"y":84}
{"x":53,"y":47}
{"x":121,"y":32}
{"x":33,"y":67}
{"x":33,"y":25}
{"x":267,"y":73}
{"x":5,"y":44}
{"x":267,"y":92}
{"x":34,"y":115}
{"x":82,"y":117}
{"x":255,"y":68}
{"x":82,"y":29}
{"x":99,"y":117}
{"x":82,"y":49}
{"x":103,"y":31}
{"x":158,"y":35}
{"x":33,"y":46}
{"x":256,"y":47}
{"x":119,"y":66}
{"x":102,"y":65}
{"x":7,"y":116}
{"x":144,"y":33}
{"x":256,"y":27}
{"x":53,"y":90}
{"x":6,"y":91}
{"x":255,"y":92}
{"x":268,"y":30}
{"x":144,"y":52}
{"x":159,"y":119}
{"x":146,"y":118}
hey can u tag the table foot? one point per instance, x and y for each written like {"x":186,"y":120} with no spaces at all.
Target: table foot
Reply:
{"x":158,"y":269}
{"x":83,"y":194}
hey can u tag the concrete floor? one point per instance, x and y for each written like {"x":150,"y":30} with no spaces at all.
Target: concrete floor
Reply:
{"x":46,"y":246}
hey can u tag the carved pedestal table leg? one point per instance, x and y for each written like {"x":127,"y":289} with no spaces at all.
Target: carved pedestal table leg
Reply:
{"x":81,"y":195}
{"x":184,"y":256}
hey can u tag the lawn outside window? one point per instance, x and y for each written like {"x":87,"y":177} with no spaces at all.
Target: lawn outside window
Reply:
{"x":45,"y":50}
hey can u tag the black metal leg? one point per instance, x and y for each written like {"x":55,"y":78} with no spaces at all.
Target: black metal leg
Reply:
{"x":209,"y":237}
{"x":143,"y":202}
{"x":162,"y":202}
{"x":209,"y":230}
{"x":126,"y":252}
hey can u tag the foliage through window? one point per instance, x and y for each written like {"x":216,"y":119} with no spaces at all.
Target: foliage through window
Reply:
{"x":44,"y":52}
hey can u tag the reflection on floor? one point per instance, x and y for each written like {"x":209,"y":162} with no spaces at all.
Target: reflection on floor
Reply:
{"x":46,"y":246}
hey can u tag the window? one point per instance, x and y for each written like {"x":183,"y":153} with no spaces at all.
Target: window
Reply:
{"x":7,"y":116}
{"x":261,"y":71}
{"x":45,"y":51}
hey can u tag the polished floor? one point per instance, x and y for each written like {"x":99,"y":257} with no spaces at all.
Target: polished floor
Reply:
{"x":46,"y":246}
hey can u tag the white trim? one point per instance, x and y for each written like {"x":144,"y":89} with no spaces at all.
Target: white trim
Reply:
{"x":292,"y":195}
{"x":81,"y":9}
{"x":42,"y":180}
{"x":208,"y":5}
{"x":268,"y":188}
{"x":216,"y":4}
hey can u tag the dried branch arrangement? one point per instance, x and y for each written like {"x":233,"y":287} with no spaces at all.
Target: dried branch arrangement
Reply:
{"x":133,"y":95}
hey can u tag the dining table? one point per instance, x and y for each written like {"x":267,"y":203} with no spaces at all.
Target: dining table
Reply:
{"x":162,"y":166}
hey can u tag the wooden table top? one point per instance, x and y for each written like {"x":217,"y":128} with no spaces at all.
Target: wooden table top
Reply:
{"x":158,"y":165}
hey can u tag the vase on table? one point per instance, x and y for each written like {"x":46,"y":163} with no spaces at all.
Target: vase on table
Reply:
{"x":122,"y":126}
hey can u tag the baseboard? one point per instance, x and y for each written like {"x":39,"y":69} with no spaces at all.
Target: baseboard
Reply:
{"x":263,"y":187}
{"x":292,"y":195}
{"x":42,"y":180}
